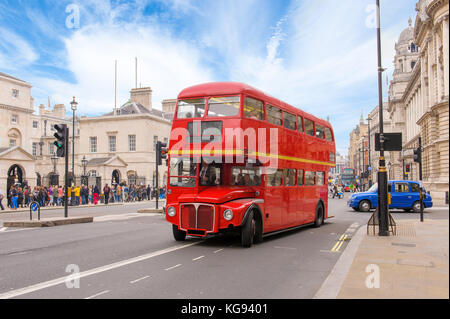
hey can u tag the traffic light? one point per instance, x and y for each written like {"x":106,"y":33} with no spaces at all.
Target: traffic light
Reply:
{"x":61,"y":138}
{"x":408,"y":168}
{"x":418,"y":155}
{"x":161,"y":152}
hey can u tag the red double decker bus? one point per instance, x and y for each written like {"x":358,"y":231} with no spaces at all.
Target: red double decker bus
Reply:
{"x":241,"y":160}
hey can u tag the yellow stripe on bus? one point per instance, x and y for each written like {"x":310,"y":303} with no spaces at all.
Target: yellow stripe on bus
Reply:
{"x":240,"y":152}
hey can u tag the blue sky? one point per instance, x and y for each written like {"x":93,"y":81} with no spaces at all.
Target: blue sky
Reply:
{"x":318,"y":55}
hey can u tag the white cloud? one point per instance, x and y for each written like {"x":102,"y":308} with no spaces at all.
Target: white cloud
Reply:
{"x":165,"y":63}
{"x":15,"y":51}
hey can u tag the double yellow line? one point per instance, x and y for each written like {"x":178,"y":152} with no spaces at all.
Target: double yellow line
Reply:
{"x":338,"y":245}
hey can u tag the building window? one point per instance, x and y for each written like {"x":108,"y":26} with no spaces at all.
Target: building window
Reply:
{"x":112,"y":143}
{"x":155,"y":140}
{"x":14,"y":118}
{"x":92,"y":173}
{"x":35,"y":124}
{"x":15,"y":93}
{"x":93,"y":144}
{"x":12,"y":142}
{"x":34,"y":148}
{"x":132,"y":143}
{"x":51,"y":148}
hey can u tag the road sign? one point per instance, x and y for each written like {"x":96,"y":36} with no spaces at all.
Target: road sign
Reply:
{"x":34,"y":207}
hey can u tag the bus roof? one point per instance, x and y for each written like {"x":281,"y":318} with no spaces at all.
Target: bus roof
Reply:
{"x":229,"y":88}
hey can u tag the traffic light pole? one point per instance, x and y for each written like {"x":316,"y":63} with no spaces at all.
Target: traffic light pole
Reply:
{"x":157,"y":185}
{"x":420,"y":179}
{"x":382,"y":173}
{"x":66,"y":174}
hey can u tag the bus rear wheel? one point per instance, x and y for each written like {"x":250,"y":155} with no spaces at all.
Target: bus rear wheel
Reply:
{"x":319,"y":216}
{"x":179,"y":235}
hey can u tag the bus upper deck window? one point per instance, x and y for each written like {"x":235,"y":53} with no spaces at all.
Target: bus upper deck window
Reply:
{"x":191,"y":108}
{"x":274,"y":115}
{"x":253,"y":109}
{"x":320,"y":131}
{"x":224,"y":106}
{"x":309,"y":127}
{"x":300,"y":124}
{"x":328,"y":135}
{"x":289,"y":121}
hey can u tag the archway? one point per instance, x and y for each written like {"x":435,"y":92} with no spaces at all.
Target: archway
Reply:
{"x":15,"y":176}
{"x":115,"y":179}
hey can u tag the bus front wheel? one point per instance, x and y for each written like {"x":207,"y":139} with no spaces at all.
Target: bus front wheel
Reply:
{"x":179,"y":235}
{"x":248,"y":231}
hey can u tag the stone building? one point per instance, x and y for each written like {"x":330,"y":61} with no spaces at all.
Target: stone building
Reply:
{"x":373,"y":121}
{"x":420,"y":106}
{"x":117,"y":147}
{"x":358,"y":150}
{"x":26,"y":139}
{"x":120,"y":145}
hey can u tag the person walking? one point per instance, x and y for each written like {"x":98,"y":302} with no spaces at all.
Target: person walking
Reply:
{"x":118,"y":193}
{"x":95,"y":194}
{"x":106,"y":191}
{"x":1,"y":199}
{"x":13,"y":194}
{"x":20,"y":197}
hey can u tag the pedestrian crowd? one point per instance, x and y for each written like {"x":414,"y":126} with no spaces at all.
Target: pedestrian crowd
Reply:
{"x":21,"y":197}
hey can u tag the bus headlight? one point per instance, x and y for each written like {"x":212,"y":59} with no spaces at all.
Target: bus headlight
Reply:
{"x":228,"y":214}
{"x":171,"y":211}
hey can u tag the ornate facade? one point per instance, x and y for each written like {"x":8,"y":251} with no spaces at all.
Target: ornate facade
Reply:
{"x":419,"y":102}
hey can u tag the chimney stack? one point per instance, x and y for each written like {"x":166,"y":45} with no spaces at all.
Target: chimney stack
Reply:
{"x":142,"y":96}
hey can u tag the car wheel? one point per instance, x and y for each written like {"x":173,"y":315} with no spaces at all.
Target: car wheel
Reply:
{"x":416,"y":207}
{"x":364,"y":206}
{"x":179,"y":235}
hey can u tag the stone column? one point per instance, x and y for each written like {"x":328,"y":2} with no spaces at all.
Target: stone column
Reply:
{"x":445,"y":36}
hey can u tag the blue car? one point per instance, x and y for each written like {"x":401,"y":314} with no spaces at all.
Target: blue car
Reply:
{"x":404,"y":195}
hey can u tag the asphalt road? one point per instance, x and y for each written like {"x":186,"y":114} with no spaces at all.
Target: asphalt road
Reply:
{"x":128,"y":255}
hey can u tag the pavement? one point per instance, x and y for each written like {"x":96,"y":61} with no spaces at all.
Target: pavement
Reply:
{"x":413,"y":264}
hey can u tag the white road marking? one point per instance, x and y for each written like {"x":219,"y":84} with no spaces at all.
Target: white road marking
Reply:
{"x":218,"y":250}
{"x":280,"y":247}
{"x":122,"y":217}
{"x":61,"y":280}
{"x":173,"y":267}
{"x":198,"y":258}
{"x":135,"y":281}
{"x":99,"y":294}
{"x":9,"y":230}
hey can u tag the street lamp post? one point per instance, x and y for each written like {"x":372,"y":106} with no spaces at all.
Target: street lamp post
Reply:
{"x":382,"y":174}
{"x":54,"y":159}
{"x":370,"y":158}
{"x":73,"y":106}
{"x":84,"y":162}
